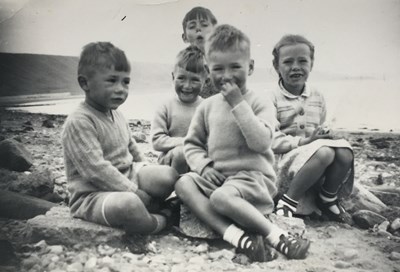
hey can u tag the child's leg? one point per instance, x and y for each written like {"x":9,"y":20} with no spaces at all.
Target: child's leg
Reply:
{"x":308,"y":175}
{"x":200,"y":205}
{"x":334,"y":176}
{"x":337,"y":171}
{"x":126,"y":210}
{"x":187,"y":190}
{"x":178,"y":160}
{"x":228,"y":201}
{"x":157,"y":180}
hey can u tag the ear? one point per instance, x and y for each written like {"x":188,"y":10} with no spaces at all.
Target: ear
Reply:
{"x":251,"y":67}
{"x":173,"y":76}
{"x":184,"y":38}
{"x":82,"y":80}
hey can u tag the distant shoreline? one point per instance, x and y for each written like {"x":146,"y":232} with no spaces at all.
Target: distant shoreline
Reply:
{"x":34,"y":99}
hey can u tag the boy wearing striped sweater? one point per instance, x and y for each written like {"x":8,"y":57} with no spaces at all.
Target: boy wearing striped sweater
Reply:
{"x":108,"y":179}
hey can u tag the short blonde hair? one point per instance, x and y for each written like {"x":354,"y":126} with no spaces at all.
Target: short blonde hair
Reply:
{"x":226,"y":37}
{"x":192,"y":60}
{"x":98,"y":55}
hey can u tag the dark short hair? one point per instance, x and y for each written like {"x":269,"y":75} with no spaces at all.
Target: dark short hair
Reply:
{"x":191,"y":59}
{"x":97,"y":55}
{"x":291,"y":40}
{"x":226,"y":37}
{"x":198,"y":12}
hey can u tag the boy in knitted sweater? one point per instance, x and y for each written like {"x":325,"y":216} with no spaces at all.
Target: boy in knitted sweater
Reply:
{"x":228,"y":148}
{"x":171,"y":120}
{"x":108,"y":178}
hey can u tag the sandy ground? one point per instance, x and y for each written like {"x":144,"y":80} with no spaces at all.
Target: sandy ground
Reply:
{"x":335,"y":247}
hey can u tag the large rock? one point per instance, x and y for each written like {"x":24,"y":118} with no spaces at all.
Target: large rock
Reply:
{"x":367,"y":219}
{"x":14,"y":156}
{"x":58,"y":227}
{"x":362,"y":199}
{"x":19,"y":206}
{"x":191,"y":226}
{"x":38,"y":183}
{"x":388,"y":195}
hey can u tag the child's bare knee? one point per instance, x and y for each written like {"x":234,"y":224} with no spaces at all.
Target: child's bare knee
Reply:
{"x":219,"y":199}
{"x":325,"y":155}
{"x":344,"y":156}
{"x":182,"y":187}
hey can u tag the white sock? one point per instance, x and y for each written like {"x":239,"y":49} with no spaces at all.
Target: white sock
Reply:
{"x":233,"y":234}
{"x":273,"y":236}
{"x":333,"y":208}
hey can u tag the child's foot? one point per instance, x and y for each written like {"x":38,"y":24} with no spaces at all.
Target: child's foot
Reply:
{"x":253,"y":247}
{"x":293,"y":246}
{"x":286,"y":206}
{"x":342,"y":216}
{"x":170,"y":209}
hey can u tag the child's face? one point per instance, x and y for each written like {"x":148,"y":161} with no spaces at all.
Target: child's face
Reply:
{"x":188,"y":84}
{"x":294,"y":66}
{"x":196,"y":32}
{"x":107,"y":89}
{"x":230,"y":66}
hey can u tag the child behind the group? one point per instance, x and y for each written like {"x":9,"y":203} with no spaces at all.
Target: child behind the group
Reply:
{"x":172,"y":119}
{"x":197,"y":24}
{"x":228,"y":148}
{"x":309,"y":156}
{"x":108,"y":179}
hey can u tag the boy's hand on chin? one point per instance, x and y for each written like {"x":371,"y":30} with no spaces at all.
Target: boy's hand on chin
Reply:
{"x":232,"y":93}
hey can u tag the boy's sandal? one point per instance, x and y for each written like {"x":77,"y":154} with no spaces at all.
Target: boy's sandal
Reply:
{"x":342,"y":217}
{"x":284,"y":210}
{"x":171,"y":210}
{"x":293,"y":246}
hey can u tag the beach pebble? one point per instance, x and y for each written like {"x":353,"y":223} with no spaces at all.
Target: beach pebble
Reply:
{"x":394,"y":256}
{"x":350,"y":254}
{"x":342,"y":264}
{"x":202,"y":248}
{"x":57,"y":249}
{"x":75,"y":267}
{"x":90,"y":263}
{"x":395,"y":224}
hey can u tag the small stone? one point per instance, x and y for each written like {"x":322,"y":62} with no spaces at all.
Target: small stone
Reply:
{"x":91,"y":263}
{"x":202,"y":248}
{"x":107,"y":260}
{"x":384,"y":225}
{"x":394,"y":256}
{"x":395,"y":224}
{"x":350,"y":254}
{"x":197,"y":260}
{"x":31,"y":261}
{"x":226,"y":254}
{"x":75,"y":267}
{"x":55,"y":259}
{"x":342,"y":264}
{"x":57,"y":249}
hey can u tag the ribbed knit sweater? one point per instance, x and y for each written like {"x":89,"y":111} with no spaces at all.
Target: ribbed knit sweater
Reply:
{"x":98,"y":152}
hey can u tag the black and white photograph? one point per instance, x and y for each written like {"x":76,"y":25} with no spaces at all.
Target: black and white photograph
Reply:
{"x":200,"y":135}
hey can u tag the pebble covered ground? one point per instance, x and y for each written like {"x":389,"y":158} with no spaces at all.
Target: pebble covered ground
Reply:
{"x":335,"y":247}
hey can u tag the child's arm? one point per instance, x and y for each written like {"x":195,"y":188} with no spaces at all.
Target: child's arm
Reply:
{"x":256,"y":126}
{"x":160,"y":137}
{"x":195,"y":144}
{"x":82,"y":147}
{"x":133,"y":147}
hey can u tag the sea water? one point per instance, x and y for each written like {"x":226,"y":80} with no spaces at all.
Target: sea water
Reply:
{"x":352,"y":104}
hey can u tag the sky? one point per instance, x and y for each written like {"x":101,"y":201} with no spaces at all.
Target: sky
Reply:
{"x":351,"y":37}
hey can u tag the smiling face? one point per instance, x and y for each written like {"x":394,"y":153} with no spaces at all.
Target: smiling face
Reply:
{"x":106,"y":89}
{"x":196,"y":31}
{"x":231,"y":66}
{"x":188,"y":84}
{"x":294,"y":66}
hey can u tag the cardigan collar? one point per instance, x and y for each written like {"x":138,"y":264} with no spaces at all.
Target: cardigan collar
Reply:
{"x":305,"y":93}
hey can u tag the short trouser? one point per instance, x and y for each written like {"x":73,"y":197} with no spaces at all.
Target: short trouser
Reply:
{"x":92,"y":207}
{"x":253,"y":186}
